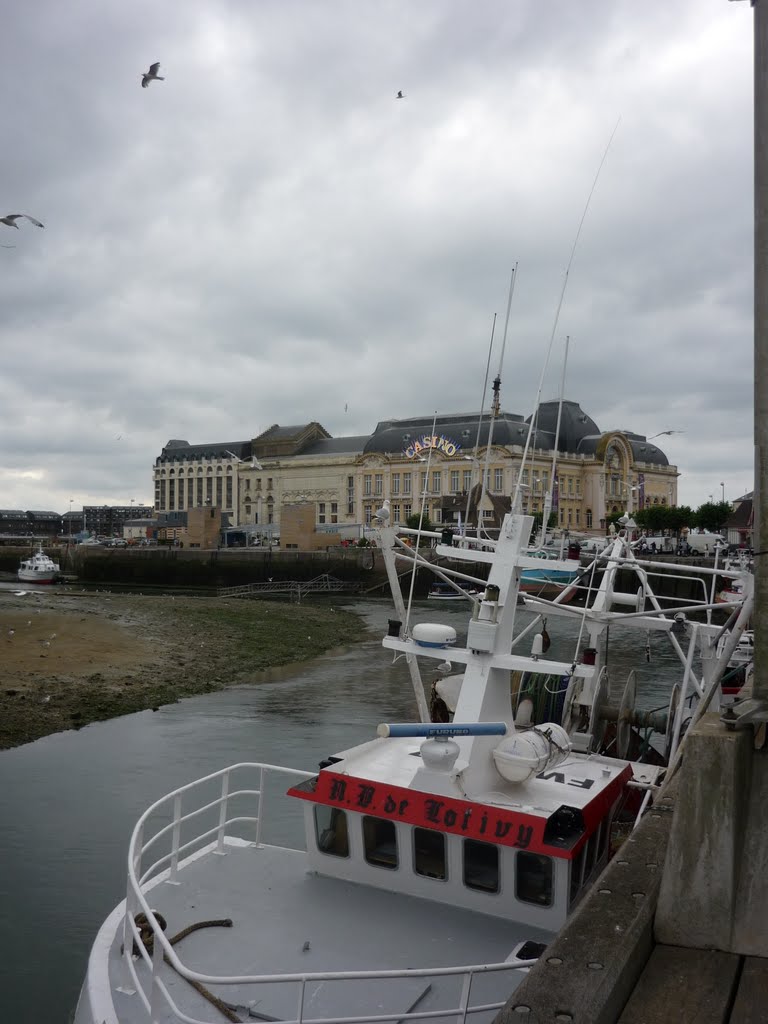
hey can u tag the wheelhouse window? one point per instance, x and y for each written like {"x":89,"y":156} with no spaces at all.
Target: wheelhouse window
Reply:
{"x":331,"y":830}
{"x":481,"y":865}
{"x":533,"y":878}
{"x":429,"y":853}
{"x":380,"y":842}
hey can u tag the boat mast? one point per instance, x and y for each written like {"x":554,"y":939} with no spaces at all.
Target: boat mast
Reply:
{"x":534,"y":417}
{"x":496,"y":403}
{"x":473,"y":458}
{"x":550,"y":492}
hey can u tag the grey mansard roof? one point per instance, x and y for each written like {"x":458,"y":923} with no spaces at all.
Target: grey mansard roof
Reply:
{"x":575,"y":425}
{"x":395,"y":435}
{"x":337,"y":445}
{"x":642,"y":450}
{"x":578,"y":434}
{"x":176,"y":451}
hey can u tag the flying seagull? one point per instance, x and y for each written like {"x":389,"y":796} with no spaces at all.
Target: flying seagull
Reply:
{"x":255,"y":464}
{"x":400,"y":95}
{"x":11,"y":218}
{"x":661,"y":433}
{"x":151,"y":75}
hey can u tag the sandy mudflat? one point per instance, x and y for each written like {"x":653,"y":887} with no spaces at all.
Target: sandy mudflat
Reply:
{"x":69,"y":658}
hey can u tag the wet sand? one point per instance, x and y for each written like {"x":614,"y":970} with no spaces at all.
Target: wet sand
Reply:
{"x":69,"y":658}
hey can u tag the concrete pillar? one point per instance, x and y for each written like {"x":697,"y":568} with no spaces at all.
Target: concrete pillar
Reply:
{"x":714,"y":882}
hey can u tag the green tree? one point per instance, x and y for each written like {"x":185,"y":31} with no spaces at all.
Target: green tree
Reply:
{"x":412,"y":522}
{"x":712,"y":515}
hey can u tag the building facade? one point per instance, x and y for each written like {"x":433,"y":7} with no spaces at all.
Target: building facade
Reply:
{"x":108,"y":520}
{"x":421,"y":463}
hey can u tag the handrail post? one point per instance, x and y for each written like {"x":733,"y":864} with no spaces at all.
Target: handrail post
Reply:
{"x":464,"y":999}
{"x":262,"y":801}
{"x":300,"y":1010}
{"x":223,"y":812}
{"x":175,"y":841}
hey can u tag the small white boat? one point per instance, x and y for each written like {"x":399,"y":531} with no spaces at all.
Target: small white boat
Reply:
{"x":38,"y":568}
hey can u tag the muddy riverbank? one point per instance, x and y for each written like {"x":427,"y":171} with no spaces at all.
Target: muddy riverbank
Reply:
{"x":67,"y":659}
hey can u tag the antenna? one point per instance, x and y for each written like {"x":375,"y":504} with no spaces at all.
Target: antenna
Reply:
{"x":560,"y":306}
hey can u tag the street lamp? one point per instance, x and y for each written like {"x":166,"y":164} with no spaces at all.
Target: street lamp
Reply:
{"x":70,"y":519}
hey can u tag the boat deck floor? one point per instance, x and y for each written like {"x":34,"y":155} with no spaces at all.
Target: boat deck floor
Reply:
{"x":286,"y":920}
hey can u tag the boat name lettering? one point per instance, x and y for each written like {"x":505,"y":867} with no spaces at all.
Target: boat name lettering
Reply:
{"x":422,"y":810}
{"x":560,"y":777}
{"x":438,"y":441}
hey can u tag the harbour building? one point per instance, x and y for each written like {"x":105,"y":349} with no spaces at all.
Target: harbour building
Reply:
{"x":423,"y":461}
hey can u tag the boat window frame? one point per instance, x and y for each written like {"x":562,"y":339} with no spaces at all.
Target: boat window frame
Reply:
{"x":525,"y":875}
{"x":377,"y":854}
{"x":336,"y":817}
{"x":441,"y":859}
{"x":470,"y":844}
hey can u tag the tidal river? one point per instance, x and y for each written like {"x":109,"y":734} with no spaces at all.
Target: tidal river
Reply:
{"x":68,"y":802}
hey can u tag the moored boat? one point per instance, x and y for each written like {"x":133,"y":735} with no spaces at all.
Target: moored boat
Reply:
{"x":545,"y":579}
{"x":421,"y":871}
{"x":38,"y":568}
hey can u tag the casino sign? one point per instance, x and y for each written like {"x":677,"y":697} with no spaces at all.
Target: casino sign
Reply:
{"x":440,"y":443}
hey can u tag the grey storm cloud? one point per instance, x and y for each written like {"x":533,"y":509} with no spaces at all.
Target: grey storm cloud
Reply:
{"x":267,"y":235}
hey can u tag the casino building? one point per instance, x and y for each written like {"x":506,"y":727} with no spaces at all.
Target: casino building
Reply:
{"x":421,"y":459}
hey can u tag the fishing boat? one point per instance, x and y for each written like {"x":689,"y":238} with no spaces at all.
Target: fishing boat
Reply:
{"x":552,"y":576}
{"x":420,"y":873}
{"x":38,"y":568}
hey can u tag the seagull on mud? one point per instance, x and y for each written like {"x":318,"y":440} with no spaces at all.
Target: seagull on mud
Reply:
{"x":400,"y":95}
{"x":151,"y":75}
{"x":382,"y":514}
{"x":11,"y":218}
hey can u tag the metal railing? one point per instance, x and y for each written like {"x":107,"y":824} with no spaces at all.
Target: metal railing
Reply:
{"x":295,"y":588}
{"x":151,"y":988}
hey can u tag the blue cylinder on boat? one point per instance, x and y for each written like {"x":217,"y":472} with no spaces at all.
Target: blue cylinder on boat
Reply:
{"x":446,"y":729}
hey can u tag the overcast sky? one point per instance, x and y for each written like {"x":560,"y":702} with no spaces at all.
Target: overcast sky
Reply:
{"x":270,"y":236}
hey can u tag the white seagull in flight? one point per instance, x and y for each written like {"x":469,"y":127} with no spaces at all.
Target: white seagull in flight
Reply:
{"x":151,"y":75}
{"x":11,"y":218}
